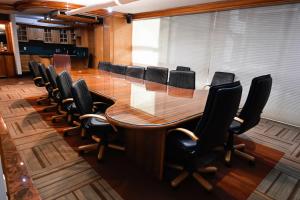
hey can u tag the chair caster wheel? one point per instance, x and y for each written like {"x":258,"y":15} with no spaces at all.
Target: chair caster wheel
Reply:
{"x":227,"y":164}
{"x":251,"y":163}
{"x":81,"y":152}
{"x":66,"y":134}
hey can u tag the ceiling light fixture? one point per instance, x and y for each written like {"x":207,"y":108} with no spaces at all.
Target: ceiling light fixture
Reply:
{"x":109,"y":9}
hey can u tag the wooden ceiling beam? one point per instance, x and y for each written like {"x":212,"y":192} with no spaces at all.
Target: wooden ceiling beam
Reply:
{"x":74,"y":18}
{"x":211,"y":7}
{"x":4,"y":6}
{"x":54,"y":5}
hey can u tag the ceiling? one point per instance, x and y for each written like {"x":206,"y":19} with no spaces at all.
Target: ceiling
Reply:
{"x":134,"y":7}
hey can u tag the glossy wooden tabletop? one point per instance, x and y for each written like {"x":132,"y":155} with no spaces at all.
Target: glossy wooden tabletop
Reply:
{"x":143,"y":104}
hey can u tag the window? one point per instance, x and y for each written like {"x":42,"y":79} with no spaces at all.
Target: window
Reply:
{"x":145,"y":42}
{"x":248,"y":42}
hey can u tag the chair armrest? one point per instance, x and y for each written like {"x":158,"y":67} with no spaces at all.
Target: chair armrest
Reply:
{"x":94,"y":116}
{"x":37,"y":78}
{"x":205,"y":86}
{"x":187,"y":132}
{"x":69,"y":100}
{"x":238,"y":119}
{"x":54,"y":91}
{"x":99,"y":103}
{"x":48,"y":83}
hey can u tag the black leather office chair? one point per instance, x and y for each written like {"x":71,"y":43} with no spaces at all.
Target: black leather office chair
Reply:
{"x":182,"y":68}
{"x":93,"y":122}
{"x":36,"y":77}
{"x":136,"y":72}
{"x":48,"y":86}
{"x":182,"y":79}
{"x":104,"y":66}
{"x":64,"y":84}
{"x":118,"y":69}
{"x":222,"y":78}
{"x":249,"y":116}
{"x":52,"y":75}
{"x":157,"y":74}
{"x":191,"y":149}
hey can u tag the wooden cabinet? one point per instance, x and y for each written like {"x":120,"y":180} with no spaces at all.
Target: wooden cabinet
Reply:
{"x":47,"y":35}
{"x":24,"y":62}
{"x":7,"y":66}
{"x":2,"y":67}
{"x":22,"y":33}
{"x":55,"y":36}
{"x":35,"y":33}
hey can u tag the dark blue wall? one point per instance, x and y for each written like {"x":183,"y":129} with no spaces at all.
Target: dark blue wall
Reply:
{"x":47,"y":49}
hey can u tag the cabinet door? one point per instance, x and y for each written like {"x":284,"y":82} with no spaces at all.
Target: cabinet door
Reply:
{"x":2,"y":66}
{"x":30,"y":33}
{"x":24,"y":62}
{"x":40,"y":34}
{"x":10,"y":65}
{"x":55,"y":36}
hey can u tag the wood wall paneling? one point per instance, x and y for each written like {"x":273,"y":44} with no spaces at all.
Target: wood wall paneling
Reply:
{"x":99,"y":44}
{"x":117,"y":40}
{"x":122,"y":41}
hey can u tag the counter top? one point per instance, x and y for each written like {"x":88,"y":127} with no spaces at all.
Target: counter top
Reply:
{"x":6,"y":53}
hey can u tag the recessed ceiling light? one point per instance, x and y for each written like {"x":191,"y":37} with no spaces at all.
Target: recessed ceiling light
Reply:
{"x":109,"y":9}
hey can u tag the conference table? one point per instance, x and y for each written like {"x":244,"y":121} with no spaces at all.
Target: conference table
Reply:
{"x":144,"y":111}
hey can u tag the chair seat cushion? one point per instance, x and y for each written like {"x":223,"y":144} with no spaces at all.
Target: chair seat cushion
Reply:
{"x":182,"y":142}
{"x":96,"y":126}
{"x":235,"y":127}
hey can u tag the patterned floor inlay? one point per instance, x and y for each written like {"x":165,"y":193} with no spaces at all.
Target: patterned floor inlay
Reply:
{"x":283,"y":182}
{"x":33,"y":150}
{"x":55,"y":169}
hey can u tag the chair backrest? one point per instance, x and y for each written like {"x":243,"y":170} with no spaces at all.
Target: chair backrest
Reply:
{"x":221,"y":106}
{"x":182,"y":79}
{"x":257,"y":98}
{"x":118,"y":69}
{"x":104,"y":66}
{"x":82,"y":97}
{"x":64,"y":84}
{"x":182,"y":68}
{"x":34,"y":68}
{"x":157,"y":74}
{"x":136,"y":72}
{"x":52,"y":75}
{"x":220,"y":78}
{"x":42,"y":70}
{"x":62,"y":61}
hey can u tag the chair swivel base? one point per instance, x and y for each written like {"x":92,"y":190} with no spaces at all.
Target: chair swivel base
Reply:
{"x":68,"y":131}
{"x":196,"y":175}
{"x":238,"y":150}
{"x":100,"y":147}
{"x":42,"y":99}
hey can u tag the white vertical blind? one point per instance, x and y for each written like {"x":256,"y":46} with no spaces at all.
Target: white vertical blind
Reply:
{"x":247,"y":42}
{"x":188,"y":44}
{"x":145,"y":42}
